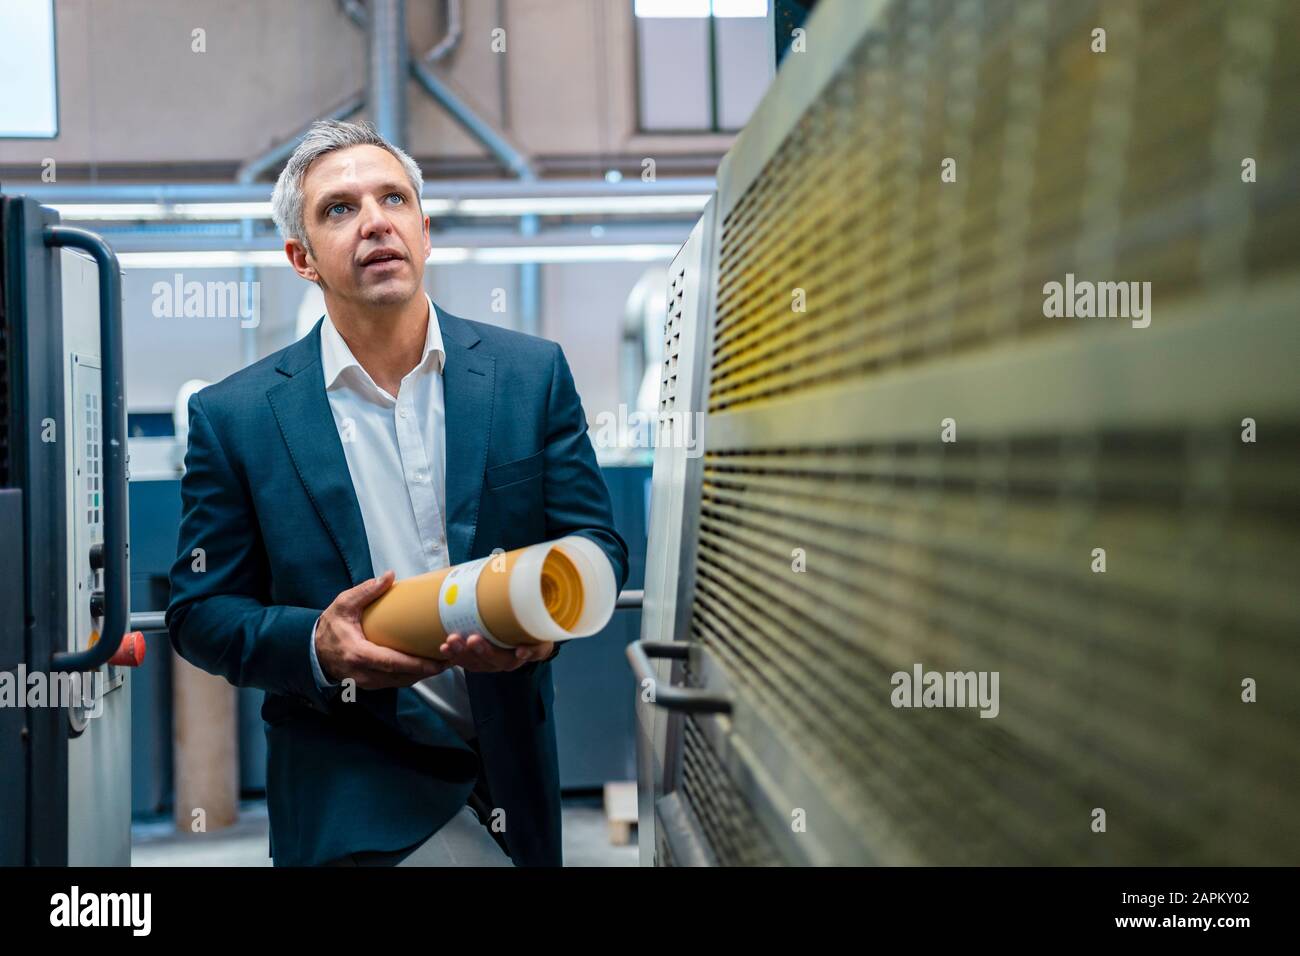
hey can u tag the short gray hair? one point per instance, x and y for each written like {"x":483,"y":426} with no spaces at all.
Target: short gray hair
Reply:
{"x":326,"y":136}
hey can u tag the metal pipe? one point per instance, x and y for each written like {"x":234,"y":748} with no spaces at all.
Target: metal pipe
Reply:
{"x":515,"y":160}
{"x":150,"y":621}
{"x":530,"y":282}
{"x":388,"y":62}
{"x":252,"y":170}
{"x":509,"y":155}
{"x":356,"y":11}
{"x":451,"y":190}
{"x":449,"y":42}
{"x":132,"y":240}
{"x":496,"y":143}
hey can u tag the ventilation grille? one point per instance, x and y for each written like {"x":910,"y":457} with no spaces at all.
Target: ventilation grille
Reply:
{"x":726,"y":822}
{"x":672,"y":341}
{"x":839,"y":549}
{"x":1118,"y":690}
{"x":94,"y":461}
{"x":1123,"y":165}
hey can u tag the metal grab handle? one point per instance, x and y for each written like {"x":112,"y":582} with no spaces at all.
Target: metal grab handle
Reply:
{"x":631,"y":599}
{"x":149,"y":621}
{"x":691,"y":700}
{"x":117,"y":593}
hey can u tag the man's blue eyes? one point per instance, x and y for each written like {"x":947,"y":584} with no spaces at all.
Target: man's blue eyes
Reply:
{"x":343,"y":205}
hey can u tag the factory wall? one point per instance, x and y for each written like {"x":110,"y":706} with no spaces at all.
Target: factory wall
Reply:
{"x":566,"y":91}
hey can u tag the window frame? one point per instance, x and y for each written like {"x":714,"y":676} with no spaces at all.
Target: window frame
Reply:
{"x":713,"y":128}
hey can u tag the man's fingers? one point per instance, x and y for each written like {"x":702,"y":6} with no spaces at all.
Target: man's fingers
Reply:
{"x":534,"y":652}
{"x":487,"y":655}
{"x":365,"y":593}
{"x":479,"y":646}
{"x":455,"y":648}
{"x":388,"y":661}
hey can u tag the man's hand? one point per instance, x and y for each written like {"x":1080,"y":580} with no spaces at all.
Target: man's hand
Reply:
{"x":477,"y":653}
{"x":343,"y":651}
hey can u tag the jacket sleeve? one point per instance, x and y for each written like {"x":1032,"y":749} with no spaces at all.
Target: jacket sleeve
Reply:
{"x":577,"y":499}
{"x":219,"y":617}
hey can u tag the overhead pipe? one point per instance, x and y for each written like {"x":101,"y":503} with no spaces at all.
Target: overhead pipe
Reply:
{"x":516,"y":161}
{"x":252,"y":170}
{"x":388,"y":64}
{"x":132,"y":240}
{"x":513,"y":158}
{"x":447,"y":44}
{"x":356,"y":12}
{"x":451,"y":190}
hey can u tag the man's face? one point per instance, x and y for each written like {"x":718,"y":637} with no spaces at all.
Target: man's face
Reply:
{"x":369,"y":238}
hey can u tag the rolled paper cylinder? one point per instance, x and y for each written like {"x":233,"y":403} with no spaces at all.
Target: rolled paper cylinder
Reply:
{"x":554,"y":591}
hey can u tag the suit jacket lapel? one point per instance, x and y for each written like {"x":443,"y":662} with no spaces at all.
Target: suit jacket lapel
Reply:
{"x":469,"y":380}
{"x":468,"y":387}
{"x":307,"y":424}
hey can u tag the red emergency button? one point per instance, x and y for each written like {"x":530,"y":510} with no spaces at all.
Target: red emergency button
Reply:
{"x":131,"y":651}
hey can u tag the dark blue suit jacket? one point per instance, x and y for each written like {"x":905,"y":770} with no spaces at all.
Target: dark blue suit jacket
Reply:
{"x":268,"y":499}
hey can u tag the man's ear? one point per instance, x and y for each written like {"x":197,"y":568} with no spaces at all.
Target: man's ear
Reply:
{"x":300,"y":260}
{"x":428,"y":247}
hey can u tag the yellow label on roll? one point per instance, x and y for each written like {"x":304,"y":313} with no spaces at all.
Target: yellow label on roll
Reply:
{"x":463,"y":617}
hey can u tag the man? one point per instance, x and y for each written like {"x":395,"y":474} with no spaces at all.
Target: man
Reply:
{"x":395,"y":438}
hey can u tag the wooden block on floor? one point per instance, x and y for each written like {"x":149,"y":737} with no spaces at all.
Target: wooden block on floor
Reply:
{"x":620,"y":811}
{"x":620,"y":832}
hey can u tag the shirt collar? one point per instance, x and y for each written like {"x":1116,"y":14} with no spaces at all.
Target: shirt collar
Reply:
{"x":336,"y":357}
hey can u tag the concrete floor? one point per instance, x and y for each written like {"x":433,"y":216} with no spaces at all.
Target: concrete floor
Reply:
{"x":157,"y":843}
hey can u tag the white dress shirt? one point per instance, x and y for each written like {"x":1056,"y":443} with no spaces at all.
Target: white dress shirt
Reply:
{"x":395,"y":448}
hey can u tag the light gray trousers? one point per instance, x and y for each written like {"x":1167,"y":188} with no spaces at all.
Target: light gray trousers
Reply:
{"x":463,"y":841}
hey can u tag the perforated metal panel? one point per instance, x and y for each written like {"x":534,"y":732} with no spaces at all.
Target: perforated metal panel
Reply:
{"x":1121,"y":165}
{"x":1118,"y":690}
{"x":677,"y":435}
{"x":725,"y":821}
{"x":676,"y":470}
{"x":910,"y":462}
